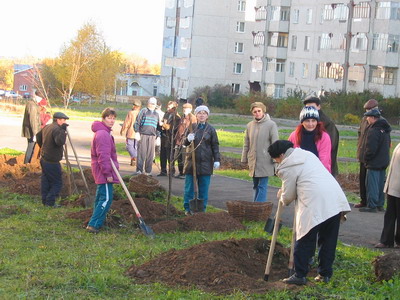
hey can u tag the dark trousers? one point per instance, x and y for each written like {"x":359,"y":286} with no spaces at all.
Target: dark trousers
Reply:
{"x":362,"y":181}
{"x":180,"y":155}
{"x":391,"y":222}
{"x":165,"y":153}
{"x":51,"y":182}
{"x":29,"y":151}
{"x":327,"y":234}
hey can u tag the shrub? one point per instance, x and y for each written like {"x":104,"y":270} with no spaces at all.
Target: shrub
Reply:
{"x":243,"y":102}
{"x":217,"y":96}
{"x":351,"y":119}
{"x":289,"y":108}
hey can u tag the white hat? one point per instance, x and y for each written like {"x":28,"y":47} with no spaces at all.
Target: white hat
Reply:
{"x":202,"y":108}
{"x":308,"y":112}
{"x":152,"y":100}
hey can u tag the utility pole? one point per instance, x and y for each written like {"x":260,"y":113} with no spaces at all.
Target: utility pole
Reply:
{"x":349,"y":35}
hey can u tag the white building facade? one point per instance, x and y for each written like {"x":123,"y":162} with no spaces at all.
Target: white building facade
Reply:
{"x":280,"y":46}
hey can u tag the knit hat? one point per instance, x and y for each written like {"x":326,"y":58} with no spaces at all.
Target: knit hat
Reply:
{"x":259,"y":105}
{"x":370,"y":104}
{"x":373,"y":113}
{"x":309,"y":112}
{"x":312,"y":99}
{"x":188,"y":105}
{"x":152,"y":100}
{"x":201,"y":108}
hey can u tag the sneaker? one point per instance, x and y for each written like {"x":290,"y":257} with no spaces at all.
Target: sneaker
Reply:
{"x":180,"y":176}
{"x":359,"y":205}
{"x":295,"y":280}
{"x":162,"y":174}
{"x":92,"y":229}
{"x":188,"y":213}
{"x":380,"y":208}
{"x":148,"y":174}
{"x":368,"y":209}
{"x":137,"y":173}
{"x":321,"y":278}
{"x":382,"y":245}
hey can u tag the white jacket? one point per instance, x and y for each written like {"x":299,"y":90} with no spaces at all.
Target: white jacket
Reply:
{"x":319,"y":196}
{"x":392,"y":184}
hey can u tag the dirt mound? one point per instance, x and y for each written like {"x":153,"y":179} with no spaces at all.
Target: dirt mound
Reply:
{"x":122,"y":213}
{"x":386,"y":266}
{"x":349,"y":182}
{"x":143,"y":185}
{"x":221,"y":221}
{"x":219,"y":266}
{"x":232,"y":163}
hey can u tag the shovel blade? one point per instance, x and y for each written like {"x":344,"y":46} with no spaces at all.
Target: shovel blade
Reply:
{"x":196,"y":205}
{"x":146,"y":229}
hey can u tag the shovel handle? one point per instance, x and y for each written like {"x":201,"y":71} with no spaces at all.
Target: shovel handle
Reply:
{"x":273,"y":240}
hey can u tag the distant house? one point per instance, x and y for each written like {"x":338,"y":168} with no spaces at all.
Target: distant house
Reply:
{"x":23,"y":80}
{"x":137,"y":85}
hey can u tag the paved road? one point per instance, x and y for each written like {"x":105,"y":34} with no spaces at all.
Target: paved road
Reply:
{"x":362,"y":229}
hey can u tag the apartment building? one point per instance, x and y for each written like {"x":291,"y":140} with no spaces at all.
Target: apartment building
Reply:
{"x":280,"y":46}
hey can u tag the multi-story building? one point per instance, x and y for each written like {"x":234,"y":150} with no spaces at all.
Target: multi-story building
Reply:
{"x":279,"y":46}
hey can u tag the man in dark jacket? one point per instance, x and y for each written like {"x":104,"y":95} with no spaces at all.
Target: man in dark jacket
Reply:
{"x":362,"y":133}
{"x":330,"y":128}
{"x":376,"y":157}
{"x":51,"y":140}
{"x":31,"y":125}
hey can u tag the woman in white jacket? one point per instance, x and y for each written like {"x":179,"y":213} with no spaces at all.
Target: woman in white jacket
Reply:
{"x":320,"y":203}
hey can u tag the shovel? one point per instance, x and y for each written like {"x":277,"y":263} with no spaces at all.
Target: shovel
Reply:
{"x":146,"y":229}
{"x":273,"y":240}
{"x":196,"y":205}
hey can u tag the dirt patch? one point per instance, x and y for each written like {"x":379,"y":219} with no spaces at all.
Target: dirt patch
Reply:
{"x":144,"y":186}
{"x":121,"y":213}
{"x":386,"y":266}
{"x":232,"y":163}
{"x":221,"y":267}
{"x":349,"y":182}
{"x":220,"y":221}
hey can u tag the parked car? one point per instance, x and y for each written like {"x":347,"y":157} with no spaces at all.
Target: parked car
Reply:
{"x":12,"y":94}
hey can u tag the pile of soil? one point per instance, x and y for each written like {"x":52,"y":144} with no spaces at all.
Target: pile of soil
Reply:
{"x":349,"y":182}
{"x":221,"y":267}
{"x":232,"y":163}
{"x":220,"y":221}
{"x":144,"y":186}
{"x":121,"y":213}
{"x":387,"y":266}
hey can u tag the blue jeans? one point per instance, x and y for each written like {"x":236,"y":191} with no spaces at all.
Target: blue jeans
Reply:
{"x":104,"y":197}
{"x":203,"y":182}
{"x":375,"y":181}
{"x":51,"y":182}
{"x":260,"y":187}
{"x":327,"y":234}
{"x":131,"y":147}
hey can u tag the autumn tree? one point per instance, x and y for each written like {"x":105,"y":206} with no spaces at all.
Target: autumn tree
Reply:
{"x":136,"y":64}
{"x":6,"y":74}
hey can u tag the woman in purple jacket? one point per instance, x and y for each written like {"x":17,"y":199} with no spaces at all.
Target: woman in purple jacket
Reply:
{"x":102,"y":149}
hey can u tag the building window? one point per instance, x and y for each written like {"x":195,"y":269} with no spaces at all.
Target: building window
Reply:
{"x":23,"y":88}
{"x":280,"y":65}
{"x":332,"y":42}
{"x":359,"y":42}
{"x":170,"y":22}
{"x":285,"y":14}
{"x":279,"y":13}
{"x":275,"y":90}
{"x":295,"y":15}
{"x":340,"y":12}
{"x":261,"y":13}
{"x":258,"y":38}
{"x":256,"y":64}
{"x":382,"y":75}
{"x":294,"y":42}
{"x":361,"y":10}
{"x":235,"y":88}
{"x":241,"y":5}
{"x":385,"y":42}
{"x":356,"y":73}
{"x":388,"y":10}
{"x":240,"y":27}
{"x":184,"y":22}
{"x":237,"y":68}
{"x":291,"y":69}
{"x":330,"y":70}
{"x":270,"y":67}
{"x":239,"y":47}
{"x":154,"y":90}
{"x":305,"y":70}
{"x":278,"y":39}
{"x":307,"y":43}
{"x":309,"y":16}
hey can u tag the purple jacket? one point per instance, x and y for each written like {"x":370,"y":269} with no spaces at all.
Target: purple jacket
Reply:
{"x":103,"y":148}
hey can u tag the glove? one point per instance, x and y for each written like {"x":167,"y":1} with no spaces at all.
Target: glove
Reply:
{"x":64,"y":126}
{"x":137,"y":136}
{"x":216,"y":165}
{"x":158,"y":141}
{"x":190,"y":137}
{"x":34,"y":138}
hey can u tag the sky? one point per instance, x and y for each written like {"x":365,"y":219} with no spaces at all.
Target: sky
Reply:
{"x":40,"y":28}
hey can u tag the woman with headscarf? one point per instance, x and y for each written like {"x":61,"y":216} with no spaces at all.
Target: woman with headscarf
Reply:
{"x":207,"y":157}
{"x":310,"y":135}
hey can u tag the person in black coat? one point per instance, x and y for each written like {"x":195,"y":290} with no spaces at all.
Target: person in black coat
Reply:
{"x":376,"y":158}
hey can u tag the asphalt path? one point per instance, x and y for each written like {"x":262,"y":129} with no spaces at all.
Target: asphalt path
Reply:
{"x":361,"y":229}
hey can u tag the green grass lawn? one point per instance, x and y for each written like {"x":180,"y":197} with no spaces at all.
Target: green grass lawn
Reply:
{"x":45,"y":255}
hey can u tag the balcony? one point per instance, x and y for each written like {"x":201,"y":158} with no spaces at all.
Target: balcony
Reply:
{"x":276,"y":52}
